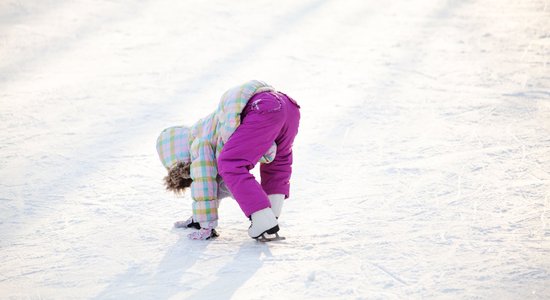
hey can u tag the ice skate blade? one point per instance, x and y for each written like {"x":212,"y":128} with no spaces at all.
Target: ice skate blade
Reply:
{"x":265,"y":238}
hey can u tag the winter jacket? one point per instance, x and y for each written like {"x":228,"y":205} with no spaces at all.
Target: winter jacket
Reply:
{"x":201,"y":145}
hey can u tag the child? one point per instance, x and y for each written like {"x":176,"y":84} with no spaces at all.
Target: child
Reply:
{"x":253,"y":123}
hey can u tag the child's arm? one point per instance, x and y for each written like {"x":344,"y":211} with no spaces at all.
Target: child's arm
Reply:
{"x":204,"y":189}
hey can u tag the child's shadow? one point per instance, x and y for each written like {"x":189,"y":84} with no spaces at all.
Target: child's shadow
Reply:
{"x":235,"y":273}
{"x":165,"y":281}
{"x":162,"y":283}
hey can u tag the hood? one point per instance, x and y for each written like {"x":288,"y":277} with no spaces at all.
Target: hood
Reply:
{"x":173,"y":146}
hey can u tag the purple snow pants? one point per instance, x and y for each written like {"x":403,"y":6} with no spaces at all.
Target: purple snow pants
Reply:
{"x":268,"y":117}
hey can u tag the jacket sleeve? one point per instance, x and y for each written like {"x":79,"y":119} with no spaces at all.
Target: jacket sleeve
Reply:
{"x":204,"y":188}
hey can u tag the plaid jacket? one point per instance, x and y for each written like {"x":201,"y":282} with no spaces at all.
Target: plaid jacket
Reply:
{"x":205,"y":142}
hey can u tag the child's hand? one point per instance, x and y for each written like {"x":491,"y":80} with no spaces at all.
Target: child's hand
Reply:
{"x":189,"y":223}
{"x":204,"y":233}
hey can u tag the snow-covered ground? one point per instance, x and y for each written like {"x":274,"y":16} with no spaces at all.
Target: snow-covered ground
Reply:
{"x":422,"y":167}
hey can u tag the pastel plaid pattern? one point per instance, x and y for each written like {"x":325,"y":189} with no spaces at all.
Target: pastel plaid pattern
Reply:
{"x":205,"y":211}
{"x":173,"y":145}
{"x":232,"y":104}
{"x":204,"y":188}
{"x":220,"y":125}
{"x":202,"y":143}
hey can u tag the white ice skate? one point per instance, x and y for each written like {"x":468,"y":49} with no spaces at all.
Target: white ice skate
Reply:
{"x":264,"y":226}
{"x":276,"y":201}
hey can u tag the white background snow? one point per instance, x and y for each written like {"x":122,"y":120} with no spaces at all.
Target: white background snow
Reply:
{"x":422,"y":166}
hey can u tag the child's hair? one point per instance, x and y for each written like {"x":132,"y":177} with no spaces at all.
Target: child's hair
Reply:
{"x":178,"y":178}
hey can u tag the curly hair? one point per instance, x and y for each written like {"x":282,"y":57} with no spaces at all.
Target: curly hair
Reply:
{"x":178,"y":178}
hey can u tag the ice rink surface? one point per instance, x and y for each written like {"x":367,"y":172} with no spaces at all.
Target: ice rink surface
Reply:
{"x":422,"y":166}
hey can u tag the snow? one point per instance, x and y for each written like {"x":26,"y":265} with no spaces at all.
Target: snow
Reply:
{"x":421,"y":167}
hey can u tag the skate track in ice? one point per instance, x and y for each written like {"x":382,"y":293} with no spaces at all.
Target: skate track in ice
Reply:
{"x":422,"y":167}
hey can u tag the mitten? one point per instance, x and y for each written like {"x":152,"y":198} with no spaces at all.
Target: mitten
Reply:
{"x":205,"y":232}
{"x":189,"y":223}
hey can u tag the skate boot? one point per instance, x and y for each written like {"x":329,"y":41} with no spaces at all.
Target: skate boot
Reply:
{"x":264,"y":226}
{"x":276,"y":201}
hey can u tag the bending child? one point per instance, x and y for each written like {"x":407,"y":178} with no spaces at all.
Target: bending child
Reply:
{"x":253,"y":123}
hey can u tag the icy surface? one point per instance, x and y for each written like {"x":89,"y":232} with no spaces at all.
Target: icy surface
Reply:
{"x":422,"y":167}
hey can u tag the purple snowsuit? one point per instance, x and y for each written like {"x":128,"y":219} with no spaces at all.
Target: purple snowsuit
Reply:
{"x":267,"y":117}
